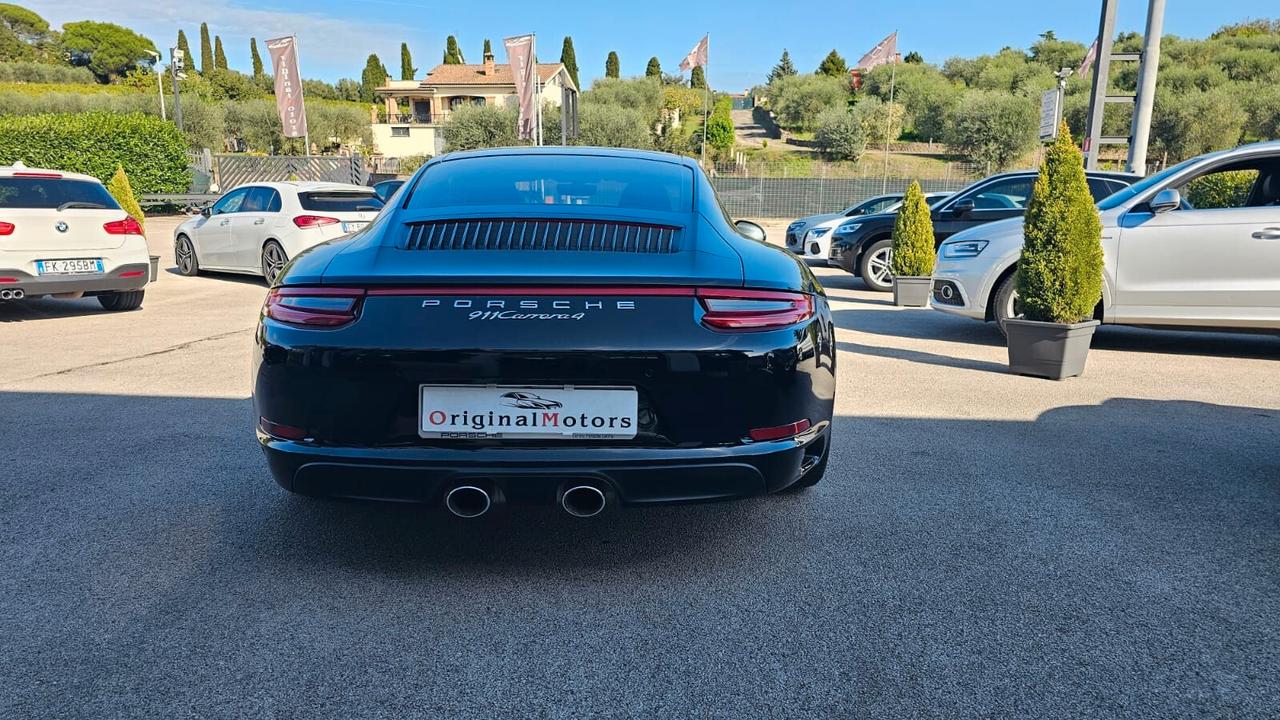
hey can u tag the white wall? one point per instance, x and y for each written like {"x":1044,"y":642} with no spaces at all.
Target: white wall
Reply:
{"x":421,"y":140}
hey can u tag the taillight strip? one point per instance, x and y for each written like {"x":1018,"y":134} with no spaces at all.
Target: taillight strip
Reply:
{"x":538,"y":291}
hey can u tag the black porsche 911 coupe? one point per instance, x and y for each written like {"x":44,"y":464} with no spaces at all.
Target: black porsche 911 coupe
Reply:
{"x":577,"y":326}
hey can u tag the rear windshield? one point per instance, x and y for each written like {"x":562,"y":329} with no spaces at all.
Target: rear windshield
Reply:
{"x":339,"y":201}
{"x":30,"y":192}
{"x":626,"y":183}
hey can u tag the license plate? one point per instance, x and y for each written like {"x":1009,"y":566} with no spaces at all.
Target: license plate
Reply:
{"x":82,"y":266}
{"x":521,"y":412}
{"x":353,"y":226}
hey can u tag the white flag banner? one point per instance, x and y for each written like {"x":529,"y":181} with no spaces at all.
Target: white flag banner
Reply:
{"x":524,"y":71}
{"x":697,"y":57}
{"x":885,"y":51}
{"x":1089,"y":58}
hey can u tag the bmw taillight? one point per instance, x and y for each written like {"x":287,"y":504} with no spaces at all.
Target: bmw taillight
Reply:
{"x":311,"y":221}
{"x":314,"y":307}
{"x":745,"y":310}
{"x":6,"y":228}
{"x":127,"y":226}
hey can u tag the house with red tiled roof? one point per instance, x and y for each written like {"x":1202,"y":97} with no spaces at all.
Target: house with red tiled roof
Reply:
{"x":411,"y":112}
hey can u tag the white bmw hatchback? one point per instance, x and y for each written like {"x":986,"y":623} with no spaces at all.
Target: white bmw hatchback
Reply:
{"x":258,"y":228}
{"x":63,"y":235}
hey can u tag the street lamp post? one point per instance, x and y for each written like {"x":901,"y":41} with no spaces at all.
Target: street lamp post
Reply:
{"x":155,"y":58}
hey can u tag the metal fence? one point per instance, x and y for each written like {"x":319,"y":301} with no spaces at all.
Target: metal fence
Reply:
{"x":232,"y":170}
{"x":765,"y":190}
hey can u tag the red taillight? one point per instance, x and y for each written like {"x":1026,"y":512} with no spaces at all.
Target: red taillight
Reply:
{"x":284,"y":432}
{"x":6,"y":228}
{"x":8,"y":280}
{"x":316,"y":307}
{"x":38,"y":174}
{"x":779,"y":432}
{"x":133,"y":274}
{"x":753,"y":309}
{"x":127,"y":226}
{"x":310,"y":221}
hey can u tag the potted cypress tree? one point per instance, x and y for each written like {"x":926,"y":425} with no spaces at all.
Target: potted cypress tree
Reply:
{"x":1060,"y":271}
{"x":913,"y":250}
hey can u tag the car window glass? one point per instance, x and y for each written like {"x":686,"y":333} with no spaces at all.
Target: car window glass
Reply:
{"x":274,"y":204}
{"x":1099,"y":188}
{"x":230,"y":202}
{"x":338,"y":201}
{"x":1224,"y":187}
{"x":255,"y":200}
{"x":1010,"y":194}
{"x":43,"y":193}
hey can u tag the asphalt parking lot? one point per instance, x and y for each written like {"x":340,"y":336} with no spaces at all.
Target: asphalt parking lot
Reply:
{"x":984,"y":545}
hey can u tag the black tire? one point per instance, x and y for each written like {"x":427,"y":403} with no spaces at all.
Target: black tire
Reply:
{"x":1002,"y":301}
{"x":273,"y":261}
{"x":874,"y":266}
{"x":122,"y":301}
{"x":184,"y":253}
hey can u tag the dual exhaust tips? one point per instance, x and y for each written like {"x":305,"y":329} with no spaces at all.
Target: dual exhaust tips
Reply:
{"x":469,"y":501}
{"x":16,"y":294}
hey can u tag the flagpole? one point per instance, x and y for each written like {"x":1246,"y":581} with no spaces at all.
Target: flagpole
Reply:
{"x":306,"y":136}
{"x":888,"y":115}
{"x":706,"y":100}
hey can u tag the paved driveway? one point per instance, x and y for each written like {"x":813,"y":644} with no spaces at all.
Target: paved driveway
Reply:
{"x":984,"y":545}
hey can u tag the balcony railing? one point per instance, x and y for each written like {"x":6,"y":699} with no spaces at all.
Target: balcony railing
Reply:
{"x":414,"y":118}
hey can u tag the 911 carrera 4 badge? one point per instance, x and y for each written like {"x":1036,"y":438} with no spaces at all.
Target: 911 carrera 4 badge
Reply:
{"x":496,"y":309}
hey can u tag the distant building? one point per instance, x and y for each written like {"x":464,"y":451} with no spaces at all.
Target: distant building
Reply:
{"x":413,"y":111}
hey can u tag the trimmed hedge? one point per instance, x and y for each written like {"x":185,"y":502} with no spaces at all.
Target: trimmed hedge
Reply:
{"x":151,"y":151}
{"x":913,"y":250}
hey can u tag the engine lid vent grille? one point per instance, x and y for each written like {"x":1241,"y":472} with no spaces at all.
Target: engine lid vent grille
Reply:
{"x":566,"y":235}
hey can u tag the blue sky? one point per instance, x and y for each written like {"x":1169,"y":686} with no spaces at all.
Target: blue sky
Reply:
{"x":747,"y":36}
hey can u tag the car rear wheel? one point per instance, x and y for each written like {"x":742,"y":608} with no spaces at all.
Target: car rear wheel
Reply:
{"x":876,"y":264}
{"x":121,"y":301}
{"x":185,"y":254}
{"x":273,"y":261}
{"x":1003,"y":301}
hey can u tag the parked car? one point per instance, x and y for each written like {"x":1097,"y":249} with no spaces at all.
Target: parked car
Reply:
{"x":62,"y":234}
{"x":572,"y":326}
{"x":1167,"y":261}
{"x":258,"y":228}
{"x":810,"y":237}
{"x":385,"y":189}
{"x":863,"y":245}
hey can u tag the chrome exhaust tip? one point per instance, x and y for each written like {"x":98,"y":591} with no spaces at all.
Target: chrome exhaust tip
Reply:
{"x":11,"y":294}
{"x":583,"y":501}
{"x":468,"y":501}
{"x":19,"y":294}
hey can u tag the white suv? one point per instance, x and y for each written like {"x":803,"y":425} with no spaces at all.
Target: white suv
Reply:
{"x":1197,"y":245}
{"x":62,"y":234}
{"x":258,"y":228}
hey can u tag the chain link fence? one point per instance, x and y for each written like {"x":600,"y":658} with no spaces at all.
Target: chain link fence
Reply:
{"x":790,"y":190}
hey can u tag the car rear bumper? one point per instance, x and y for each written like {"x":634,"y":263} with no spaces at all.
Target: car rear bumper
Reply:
{"x":534,"y":476}
{"x":132,"y":276}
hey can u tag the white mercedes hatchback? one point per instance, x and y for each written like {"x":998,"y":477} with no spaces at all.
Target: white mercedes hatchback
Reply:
{"x":258,"y":228}
{"x":63,"y":235}
{"x":1197,"y":245}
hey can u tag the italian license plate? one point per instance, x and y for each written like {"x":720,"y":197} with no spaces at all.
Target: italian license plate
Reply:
{"x":504,"y":411}
{"x":81,"y":266}
{"x":353,"y":226}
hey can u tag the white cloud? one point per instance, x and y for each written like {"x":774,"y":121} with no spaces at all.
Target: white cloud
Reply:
{"x":330,"y":47}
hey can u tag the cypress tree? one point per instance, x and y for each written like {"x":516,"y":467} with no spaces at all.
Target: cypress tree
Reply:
{"x":1060,"y":270}
{"x":697,"y":78}
{"x":784,"y":68}
{"x":185,"y":47}
{"x":122,"y":191}
{"x":488,"y":49}
{"x":219,"y":55}
{"x":913,"y":251}
{"x":833,"y":66}
{"x":256,"y":58}
{"x":206,"y":49}
{"x":611,"y":68}
{"x":451,"y":54}
{"x":653,"y":69}
{"x":407,"y":70}
{"x":570,"y":60}
{"x":373,"y":76}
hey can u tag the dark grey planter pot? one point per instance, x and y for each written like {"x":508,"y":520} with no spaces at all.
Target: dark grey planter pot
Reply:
{"x":155,"y":268}
{"x":1049,"y":350}
{"x":911,"y":291}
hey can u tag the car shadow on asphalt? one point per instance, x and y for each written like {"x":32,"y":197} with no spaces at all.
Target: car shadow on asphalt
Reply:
{"x":216,"y":275}
{"x":48,"y":309}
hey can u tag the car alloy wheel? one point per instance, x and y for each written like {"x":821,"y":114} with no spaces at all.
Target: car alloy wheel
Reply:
{"x":273,"y":261}
{"x":186,"y":257}
{"x":879,"y":264}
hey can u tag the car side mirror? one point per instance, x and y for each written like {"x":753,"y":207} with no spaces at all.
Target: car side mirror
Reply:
{"x":964,"y":207}
{"x":206,"y":212}
{"x":1166,"y":200}
{"x":751,"y":230}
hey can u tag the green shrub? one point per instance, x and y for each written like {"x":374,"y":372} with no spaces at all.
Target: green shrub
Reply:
{"x":409,"y":164}
{"x":840,"y":134}
{"x":797,"y":99}
{"x":471,"y":127}
{"x":152,"y":152}
{"x":1060,"y":271}
{"x":120,"y":189}
{"x":1221,"y":190}
{"x":992,"y":128}
{"x":882,"y":120}
{"x":720,"y":125}
{"x":38,"y":72}
{"x":913,"y":249}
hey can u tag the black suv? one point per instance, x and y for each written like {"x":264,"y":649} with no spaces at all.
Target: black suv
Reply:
{"x":862,"y":245}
